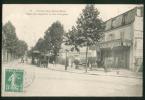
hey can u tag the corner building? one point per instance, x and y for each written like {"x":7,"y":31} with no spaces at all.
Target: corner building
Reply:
{"x":122,"y":44}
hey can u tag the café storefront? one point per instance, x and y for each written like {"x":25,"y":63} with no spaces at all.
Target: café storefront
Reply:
{"x":115,"y":53}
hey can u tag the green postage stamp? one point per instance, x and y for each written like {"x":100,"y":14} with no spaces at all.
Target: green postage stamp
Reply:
{"x":14,"y":80}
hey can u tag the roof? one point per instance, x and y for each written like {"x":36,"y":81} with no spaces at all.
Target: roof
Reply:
{"x":121,"y":20}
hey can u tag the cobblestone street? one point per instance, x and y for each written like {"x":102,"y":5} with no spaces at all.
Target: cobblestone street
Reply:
{"x":54,"y":81}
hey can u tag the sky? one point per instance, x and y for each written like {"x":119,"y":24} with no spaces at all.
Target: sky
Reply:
{"x":32,"y":20}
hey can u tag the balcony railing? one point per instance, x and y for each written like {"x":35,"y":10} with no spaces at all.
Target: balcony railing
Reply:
{"x":115,"y":43}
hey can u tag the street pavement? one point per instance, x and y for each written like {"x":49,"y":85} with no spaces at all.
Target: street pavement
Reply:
{"x":55,"y":81}
{"x":98,"y":71}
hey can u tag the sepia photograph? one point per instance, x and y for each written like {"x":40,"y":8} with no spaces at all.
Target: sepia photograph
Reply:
{"x":81,"y":50}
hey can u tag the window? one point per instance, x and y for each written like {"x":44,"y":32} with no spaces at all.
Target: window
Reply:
{"x":139,"y":44}
{"x":138,"y":12}
{"x":138,"y":61}
{"x":111,"y":37}
{"x":122,"y":35}
{"x":139,"y":34}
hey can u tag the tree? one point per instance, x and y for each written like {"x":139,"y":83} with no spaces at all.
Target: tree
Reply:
{"x":30,"y":51}
{"x":40,"y":45}
{"x":14,"y":46}
{"x":89,"y":29}
{"x":10,"y":34}
{"x":71,"y":38}
{"x":21,"y":48}
{"x":53,"y":38}
{"x":10,"y":38}
{"x":3,"y":39}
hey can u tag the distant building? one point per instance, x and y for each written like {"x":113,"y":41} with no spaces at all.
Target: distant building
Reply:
{"x":72,"y":55}
{"x":122,"y":45}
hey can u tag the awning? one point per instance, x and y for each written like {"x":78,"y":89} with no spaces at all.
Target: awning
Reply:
{"x":46,"y":55}
{"x":36,"y":51}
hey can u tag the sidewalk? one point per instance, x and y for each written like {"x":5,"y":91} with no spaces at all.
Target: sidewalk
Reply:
{"x":98,"y":71}
{"x":12,"y":62}
{"x":29,"y":70}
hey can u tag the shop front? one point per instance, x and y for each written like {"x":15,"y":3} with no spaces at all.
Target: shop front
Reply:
{"x":115,"y":54}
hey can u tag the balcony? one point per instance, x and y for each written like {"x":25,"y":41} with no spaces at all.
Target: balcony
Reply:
{"x":115,"y":43}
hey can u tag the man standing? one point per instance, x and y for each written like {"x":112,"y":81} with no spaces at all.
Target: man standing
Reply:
{"x":22,"y":59}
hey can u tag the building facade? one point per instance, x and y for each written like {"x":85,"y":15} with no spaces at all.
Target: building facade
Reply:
{"x":66,"y":53}
{"x":122,"y":44}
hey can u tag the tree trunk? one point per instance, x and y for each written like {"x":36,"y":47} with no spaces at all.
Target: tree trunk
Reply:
{"x":66,"y":61}
{"x":7,"y":56}
{"x":86,"y":58}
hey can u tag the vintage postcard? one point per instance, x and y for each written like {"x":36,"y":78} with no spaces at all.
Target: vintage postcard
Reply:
{"x":72,"y":50}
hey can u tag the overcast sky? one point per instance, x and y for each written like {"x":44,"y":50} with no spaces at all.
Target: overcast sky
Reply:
{"x":31,"y":20}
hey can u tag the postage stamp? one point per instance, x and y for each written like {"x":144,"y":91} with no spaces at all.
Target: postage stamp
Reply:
{"x":72,"y":50}
{"x":14,"y":80}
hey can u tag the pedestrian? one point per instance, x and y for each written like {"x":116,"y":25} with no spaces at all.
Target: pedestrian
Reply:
{"x":53,"y":63}
{"x":45,"y":62}
{"x":104,"y":64}
{"x":22,"y":59}
{"x":26,"y":59}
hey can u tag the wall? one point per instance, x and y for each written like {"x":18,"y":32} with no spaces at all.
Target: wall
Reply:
{"x":127,"y":30}
{"x":137,"y":40}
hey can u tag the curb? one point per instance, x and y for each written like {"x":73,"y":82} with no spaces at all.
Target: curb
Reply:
{"x":96,"y":74}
